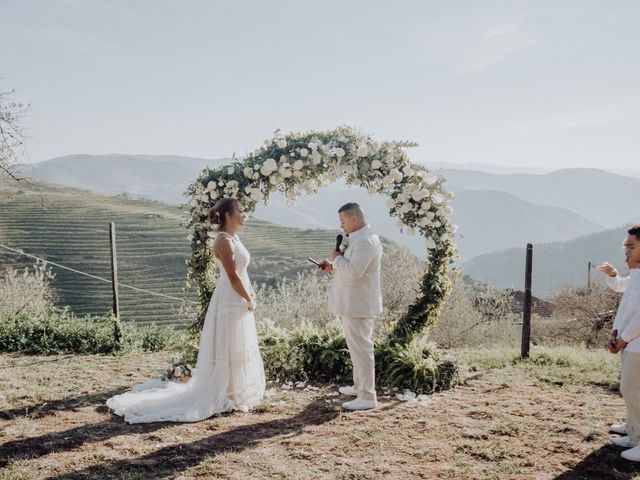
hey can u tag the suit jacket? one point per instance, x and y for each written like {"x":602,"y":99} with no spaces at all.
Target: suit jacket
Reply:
{"x":355,"y":287}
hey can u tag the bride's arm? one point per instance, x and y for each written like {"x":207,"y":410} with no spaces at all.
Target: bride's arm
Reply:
{"x":223,"y":249}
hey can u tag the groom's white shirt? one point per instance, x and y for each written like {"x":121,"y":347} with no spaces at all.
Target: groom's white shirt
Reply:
{"x":355,"y":287}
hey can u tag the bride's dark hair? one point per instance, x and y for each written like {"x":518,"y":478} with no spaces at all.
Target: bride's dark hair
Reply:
{"x":218,"y":213}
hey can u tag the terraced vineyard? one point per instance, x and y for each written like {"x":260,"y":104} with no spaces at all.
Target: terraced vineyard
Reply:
{"x":70,"y":227}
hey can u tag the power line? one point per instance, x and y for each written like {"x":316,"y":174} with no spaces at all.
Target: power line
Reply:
{"x":19,"y":252}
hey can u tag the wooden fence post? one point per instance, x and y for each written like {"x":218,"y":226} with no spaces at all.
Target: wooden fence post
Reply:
{"x":117,"y":327}
{"x":526,"y":315}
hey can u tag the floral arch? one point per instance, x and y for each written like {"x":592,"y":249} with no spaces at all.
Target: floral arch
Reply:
{"x":298,"y":163}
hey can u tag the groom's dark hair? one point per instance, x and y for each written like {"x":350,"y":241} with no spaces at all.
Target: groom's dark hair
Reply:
{"x":352,"y":209}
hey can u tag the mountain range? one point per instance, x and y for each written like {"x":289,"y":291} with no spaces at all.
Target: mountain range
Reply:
{"x":493,"y":211}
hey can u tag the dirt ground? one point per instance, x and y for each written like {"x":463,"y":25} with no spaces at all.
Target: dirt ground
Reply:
{"x":510,"y":422}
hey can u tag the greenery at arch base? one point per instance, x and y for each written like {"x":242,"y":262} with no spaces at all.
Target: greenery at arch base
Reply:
{"x":297,"y":163}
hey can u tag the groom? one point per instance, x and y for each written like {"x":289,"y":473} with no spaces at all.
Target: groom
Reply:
{"x":355,"y":295}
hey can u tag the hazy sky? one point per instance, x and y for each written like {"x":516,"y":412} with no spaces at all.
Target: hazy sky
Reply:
{"x":536,"y":83}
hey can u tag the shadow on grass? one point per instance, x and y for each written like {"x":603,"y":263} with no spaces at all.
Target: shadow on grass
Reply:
{"x":40,"y":410}
{"x":174,"y":459}
{"x":66,"y":440}
{"x":604,"y":463}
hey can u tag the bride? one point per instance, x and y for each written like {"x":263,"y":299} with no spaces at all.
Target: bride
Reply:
{"x":229,"y":374}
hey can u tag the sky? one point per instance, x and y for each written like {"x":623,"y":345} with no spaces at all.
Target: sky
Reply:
{"x":549,"y":84}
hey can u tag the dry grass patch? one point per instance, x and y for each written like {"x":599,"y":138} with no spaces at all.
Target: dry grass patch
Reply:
{"x":541,"y":419}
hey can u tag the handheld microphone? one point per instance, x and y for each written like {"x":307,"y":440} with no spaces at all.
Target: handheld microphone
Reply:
{"x":338,"y":242}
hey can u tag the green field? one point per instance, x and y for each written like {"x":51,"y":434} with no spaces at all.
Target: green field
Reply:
{"x":70,"y":227}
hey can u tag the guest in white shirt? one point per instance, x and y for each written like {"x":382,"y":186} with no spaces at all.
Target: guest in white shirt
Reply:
{"x":625,"y":338}
{"x":618,"y":284}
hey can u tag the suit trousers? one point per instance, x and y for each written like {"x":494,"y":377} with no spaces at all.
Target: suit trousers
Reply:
{"x":630,"y":389}
{"x":359,"y":335}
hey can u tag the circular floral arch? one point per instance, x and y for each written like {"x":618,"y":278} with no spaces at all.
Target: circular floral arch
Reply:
{"x":298,"y":163}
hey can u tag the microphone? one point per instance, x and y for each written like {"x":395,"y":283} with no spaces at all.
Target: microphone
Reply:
{"x":338,"y":242}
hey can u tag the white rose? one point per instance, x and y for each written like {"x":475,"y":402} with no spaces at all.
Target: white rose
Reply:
{"x":372,"y":190}
{"x":363,"y":150}
{"x":211,"y":185}
{"x":287,"y":174}
{"x":256,"y":195}
{"x":406,"y":208}
{"x":437,"y":198}
{"x":298,"y":164}
{"x":213,"y":194}
{"x":391,"y":203}
{"x":426,"y":206}
{"x":430,"y":215}
{"x":376,"y":164}
{"x":312,"y":146}
{"x":273,"y":179}
{"x":408,"y":171}
{"x":190,"y":237}
{"x":411,"y":232}
{"x":430,"y":179}
{"x":396,"y":175}
{"x":304,"y":152}
{"x":297,"y":173}
{"x":316,"y":158}
{"x":431,"y":244}
{"x":247,"y":172}
{"x":230,"y":170}
{"x":281,"y":143}
{"x":340,"y":152}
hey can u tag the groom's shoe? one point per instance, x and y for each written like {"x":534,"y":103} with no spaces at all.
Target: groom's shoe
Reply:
{"x":632,"y":454}
{"x":623,"y":442}
{"x":349,"y":391}
{"x":360,"y":404}
{"x":620,"y":428}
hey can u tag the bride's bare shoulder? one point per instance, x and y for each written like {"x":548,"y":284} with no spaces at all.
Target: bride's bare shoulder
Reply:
{"x":223,"y":243}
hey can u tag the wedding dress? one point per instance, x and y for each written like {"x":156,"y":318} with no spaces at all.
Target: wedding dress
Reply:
{"x":229,"y":374}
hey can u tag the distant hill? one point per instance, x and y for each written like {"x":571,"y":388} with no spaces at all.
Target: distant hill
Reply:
{"x":554,"y":264}
{"x":602,"y":197}
{"x":70,"y":227}
{"x":155,"y":177}
{"x":489,"y":220}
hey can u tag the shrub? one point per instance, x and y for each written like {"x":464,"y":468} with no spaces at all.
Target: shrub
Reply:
{"x":26,"y":292}
{"x":419,"y":366}
{"x":62,"y":332}
{"x":474,"y":321}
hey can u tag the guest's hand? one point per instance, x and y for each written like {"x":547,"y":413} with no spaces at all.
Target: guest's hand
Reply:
{"x":335,"y":254}
{"x":608,"y":269}
{"x":326,"y":266}
{"x":611,"y":345}
{"x":620,"y":344}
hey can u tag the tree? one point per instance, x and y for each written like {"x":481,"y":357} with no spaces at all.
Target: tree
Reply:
{"x":11,"y":133}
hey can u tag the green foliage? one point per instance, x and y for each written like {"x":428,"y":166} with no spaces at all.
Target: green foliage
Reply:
{"x":418,"y":366}
{"x":61,"y":332}
{"x":305,"y":353}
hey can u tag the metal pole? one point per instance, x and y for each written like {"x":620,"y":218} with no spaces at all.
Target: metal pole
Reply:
{"x":526,"y":315}
{"x":114,"y":270}
{"x":589,"y":275}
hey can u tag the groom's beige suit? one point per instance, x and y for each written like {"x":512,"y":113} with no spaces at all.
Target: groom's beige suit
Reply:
{"x":356,"y":296}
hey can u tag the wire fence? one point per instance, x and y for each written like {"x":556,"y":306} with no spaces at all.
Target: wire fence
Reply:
{"x":95,"y":277}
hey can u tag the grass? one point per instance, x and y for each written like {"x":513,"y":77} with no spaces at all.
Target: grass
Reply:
{"x":70,"y":227}
{"x":504,"y":421}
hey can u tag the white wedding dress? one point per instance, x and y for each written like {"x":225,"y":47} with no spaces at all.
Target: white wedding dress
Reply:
{"x":229,"y":374}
